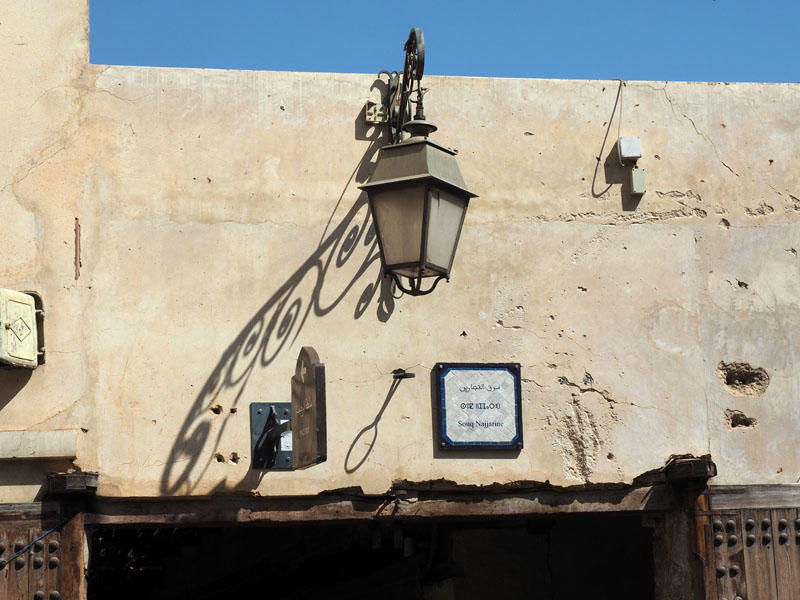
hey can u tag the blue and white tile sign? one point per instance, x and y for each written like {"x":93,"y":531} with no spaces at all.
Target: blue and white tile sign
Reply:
{"x":479,"y":405}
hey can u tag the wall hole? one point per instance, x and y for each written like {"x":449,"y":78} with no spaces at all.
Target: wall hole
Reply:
{"x":741,"y":379}
{"x":737,"y":418}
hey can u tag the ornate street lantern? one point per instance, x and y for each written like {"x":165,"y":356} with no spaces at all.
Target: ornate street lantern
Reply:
{"x":417,"y":196}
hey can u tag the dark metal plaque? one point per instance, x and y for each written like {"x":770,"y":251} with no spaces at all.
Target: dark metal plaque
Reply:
{"x":270,"y":436}
{"x":480,"y":405}
{"x":309,"y":434}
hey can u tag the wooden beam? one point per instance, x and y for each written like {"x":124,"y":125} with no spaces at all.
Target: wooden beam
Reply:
{"x":73,"y":583}
{"x":230,"y":511}
{"x":705,"y":585}
{"x":524,"y":504}
{"x":30,"y":511}
{"x":753,"y":496}
{"x":224,"y":511}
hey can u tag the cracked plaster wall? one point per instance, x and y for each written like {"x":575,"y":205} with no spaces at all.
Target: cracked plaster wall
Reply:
{"x":209,"y":203}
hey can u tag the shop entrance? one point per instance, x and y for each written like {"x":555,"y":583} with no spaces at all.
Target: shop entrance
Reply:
{"x":561,"y":558}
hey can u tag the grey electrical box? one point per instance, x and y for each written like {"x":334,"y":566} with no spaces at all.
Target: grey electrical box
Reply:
{"x":629,"y":148}
{"x":637,"y":181}
{"x":19,"y":329}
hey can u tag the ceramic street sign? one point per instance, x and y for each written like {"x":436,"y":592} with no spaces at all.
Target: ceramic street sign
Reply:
{"x":479,"y":405}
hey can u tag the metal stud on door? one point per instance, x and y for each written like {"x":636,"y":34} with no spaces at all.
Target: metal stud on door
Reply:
{"x":759,"y":558}
{"x":729,"y":568}
{"x":31,"y":567}
{"x":787,"y":553}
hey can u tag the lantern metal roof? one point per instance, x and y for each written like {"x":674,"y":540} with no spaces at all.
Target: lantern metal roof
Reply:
{"x":417,"y":159}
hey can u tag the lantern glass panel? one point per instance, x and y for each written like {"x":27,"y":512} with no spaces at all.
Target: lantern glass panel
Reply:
{"x":398,"y":213}
{"x":445,"y":214}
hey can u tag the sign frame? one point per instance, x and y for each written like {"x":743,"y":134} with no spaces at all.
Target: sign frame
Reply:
{"x":440,"y":370}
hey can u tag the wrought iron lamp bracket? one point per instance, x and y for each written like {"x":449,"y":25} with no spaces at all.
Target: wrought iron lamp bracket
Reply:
{"x":415,"y":287}
{"x":395,"y":110}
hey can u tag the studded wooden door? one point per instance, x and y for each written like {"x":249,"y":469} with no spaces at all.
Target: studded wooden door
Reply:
{"x":41,"y":552}
{"x":753,"y":554}
{"x":35,"y":572}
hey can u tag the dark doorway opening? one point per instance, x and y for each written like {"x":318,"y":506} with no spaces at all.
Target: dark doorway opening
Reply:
{"x":561,"y":558}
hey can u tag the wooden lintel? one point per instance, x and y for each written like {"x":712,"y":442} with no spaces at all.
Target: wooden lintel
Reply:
{"x":230,"y":511}
{"x":735,"y":497}
{"x":28,"y":511}
{"x":338,"y":509}
{"x":500,"y":506}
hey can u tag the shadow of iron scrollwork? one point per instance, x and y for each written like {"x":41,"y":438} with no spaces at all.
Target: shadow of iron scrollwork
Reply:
{"x":351,"y":247}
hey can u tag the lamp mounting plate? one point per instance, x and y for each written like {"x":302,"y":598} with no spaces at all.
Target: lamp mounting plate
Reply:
{"x":376,"y":113}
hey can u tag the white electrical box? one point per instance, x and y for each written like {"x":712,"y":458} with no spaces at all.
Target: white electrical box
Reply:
{"x":637,"y":181}
{"x":629,"y":148}
{"x":19,"y":335}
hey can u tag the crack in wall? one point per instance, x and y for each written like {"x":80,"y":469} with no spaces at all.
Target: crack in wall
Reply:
{"x":113,"y":95}
{"x":713,"y":145}
{"x":36,"y":163}
{"x":45,"y":92}
{"x":606,"y":395}
{"x":774,"y":189}
{"x":65,"y":133}
{"x":694,"y":126}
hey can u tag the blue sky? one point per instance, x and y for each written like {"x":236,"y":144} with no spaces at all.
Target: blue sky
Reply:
{"x":684,"y":40}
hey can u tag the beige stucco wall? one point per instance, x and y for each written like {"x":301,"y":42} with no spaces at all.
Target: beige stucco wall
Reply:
{"x":218,"y":207}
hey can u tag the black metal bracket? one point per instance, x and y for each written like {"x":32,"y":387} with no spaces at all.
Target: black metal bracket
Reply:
{"x":402,"y":374}
{"x":415,"y":287}
{"x":271,"y":435}
{"x":395,"y":110}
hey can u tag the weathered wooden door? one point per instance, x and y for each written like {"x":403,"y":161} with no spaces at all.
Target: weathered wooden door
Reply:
{"x":753,"y":554}
{"x":32,"y":570}
{"x":39,"y":554}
